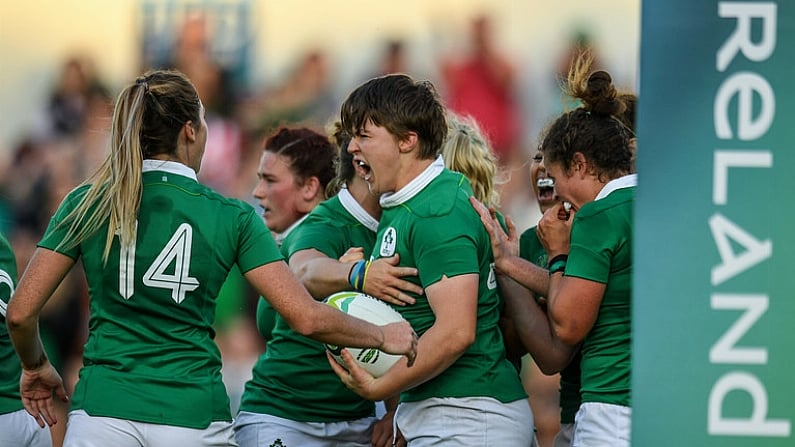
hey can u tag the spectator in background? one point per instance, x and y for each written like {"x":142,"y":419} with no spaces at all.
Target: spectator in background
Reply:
{"x":304,"y":96}
{"x":482,"y":85}
{"x":69,"y":101}
{"x":393,"y":58}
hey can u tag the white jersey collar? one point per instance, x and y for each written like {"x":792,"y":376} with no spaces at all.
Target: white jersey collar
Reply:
{"x":279,"y":237}
{"x":413,"y":187}
{"x":355,"y":209}
{"x":626,"y":181}
{"x":172,"y":167}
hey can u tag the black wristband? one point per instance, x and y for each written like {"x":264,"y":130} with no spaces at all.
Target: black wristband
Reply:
{"x":564,"y":258}
{"x":557,"y":264}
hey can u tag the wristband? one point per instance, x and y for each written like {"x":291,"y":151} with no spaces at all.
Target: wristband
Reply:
{"x":557,"y":264}
{"x":358,"y":274}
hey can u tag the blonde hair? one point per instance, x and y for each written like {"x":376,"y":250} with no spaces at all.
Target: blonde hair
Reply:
{"x":466,"y":150}
{"x":147,"y":119}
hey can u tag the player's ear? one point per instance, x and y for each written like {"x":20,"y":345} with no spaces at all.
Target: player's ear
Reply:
{"x":189,"y":131}
{"x":409,"y":142}
{"x":311,"y":188}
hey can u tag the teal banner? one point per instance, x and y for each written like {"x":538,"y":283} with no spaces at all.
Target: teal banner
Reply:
{"x":714,"y":279}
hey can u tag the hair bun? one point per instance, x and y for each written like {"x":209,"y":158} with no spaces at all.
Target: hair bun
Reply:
{"x":601,"y":97}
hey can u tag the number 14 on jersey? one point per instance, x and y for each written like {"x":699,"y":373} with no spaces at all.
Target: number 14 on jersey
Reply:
{"x":176,"y":252}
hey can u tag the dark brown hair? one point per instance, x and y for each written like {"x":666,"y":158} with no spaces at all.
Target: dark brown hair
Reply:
{"x":401,"y":105}
{"x":344,"y":166}
{"x":310,"y":153}
{"x":599,"y":128}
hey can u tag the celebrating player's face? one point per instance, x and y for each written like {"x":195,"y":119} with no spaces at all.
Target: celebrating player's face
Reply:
{"x":375,"y":151}
{"x":543,"y":186}
{"x":562,"y":181}
{"x":278,"y":192}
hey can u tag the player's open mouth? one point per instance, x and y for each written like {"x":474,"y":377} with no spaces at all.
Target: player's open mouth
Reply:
{"x":546,"y":190}
{"x":363,"y":169}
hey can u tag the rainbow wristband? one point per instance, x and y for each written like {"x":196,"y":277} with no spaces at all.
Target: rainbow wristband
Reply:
{"x":358,"y":275}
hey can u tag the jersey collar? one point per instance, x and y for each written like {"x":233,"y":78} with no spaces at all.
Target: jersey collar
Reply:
{"x":279,"y":237}
{"x":172,"y":167}
{"x":626,"y":181}
{"x":352,"y":206}
{"x":413,"y":187}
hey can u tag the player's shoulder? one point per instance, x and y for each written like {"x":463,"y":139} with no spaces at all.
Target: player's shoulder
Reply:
{"x":447,"y":193}
{"x":329,"y":208}
{"x":233,"y":203}
{"x":529,"y":234}
{"x":618,"y":201}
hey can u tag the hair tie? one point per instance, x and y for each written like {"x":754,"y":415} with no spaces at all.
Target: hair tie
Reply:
{"x":142,"y":81}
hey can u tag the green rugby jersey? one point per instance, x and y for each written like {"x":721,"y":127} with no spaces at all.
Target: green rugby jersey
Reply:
{"x":530,"y":248}
{"x":432,"y":226}
{"x":601,"y":251}
{"x":10,"y":400}
{"x":150,"y":354}
{"x":292,"y":379}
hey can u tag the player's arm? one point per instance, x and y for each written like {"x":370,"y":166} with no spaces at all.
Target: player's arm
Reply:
{"x":315,"y":320}
{"x":39,"y":380}
{"x":44,"y":273}
{"x":572,"y":302}
{"x":320,"y":274}
{"x":505,"y":248}
{"x":323,"y":276}
{"x":454,"y":304}
{"x":573,"y":305}
{"x":533,"y":327}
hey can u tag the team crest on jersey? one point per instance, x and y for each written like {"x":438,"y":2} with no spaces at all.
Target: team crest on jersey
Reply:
{"x":388,"y":242}
{"x":492,"y":281}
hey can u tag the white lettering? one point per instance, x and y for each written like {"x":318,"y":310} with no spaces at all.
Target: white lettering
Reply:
{"x":724,"y":160}
{"x":755,"y":251}
{"x":725,"y":349}
{"x":6,"y":279}
{"x":740,"y":40}
{"x":744,"y":85}
{"x":755,"y":424}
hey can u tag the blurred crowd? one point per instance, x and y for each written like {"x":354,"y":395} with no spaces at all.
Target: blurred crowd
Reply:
{"x":70,"y":142}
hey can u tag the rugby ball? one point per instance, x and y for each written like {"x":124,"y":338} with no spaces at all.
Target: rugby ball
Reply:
{"x":372,"y":310}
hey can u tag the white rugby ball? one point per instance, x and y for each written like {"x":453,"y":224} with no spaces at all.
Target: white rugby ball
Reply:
{"x":374,"y":311}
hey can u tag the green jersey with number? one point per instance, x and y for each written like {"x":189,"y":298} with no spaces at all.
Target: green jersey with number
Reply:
{"x":432,"y":226}
{"x":150,"y":354}
{"x":601,"y":251}
{"x":9,"y":362}
{"x":530,"y":248}
{"x":292,"y":379}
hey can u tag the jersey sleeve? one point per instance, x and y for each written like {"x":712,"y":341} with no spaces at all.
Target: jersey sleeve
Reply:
{"x":256,"y":246}
{"x":56,"y":233}
{"x":591,"y":248}
{"x":321,"y":235}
